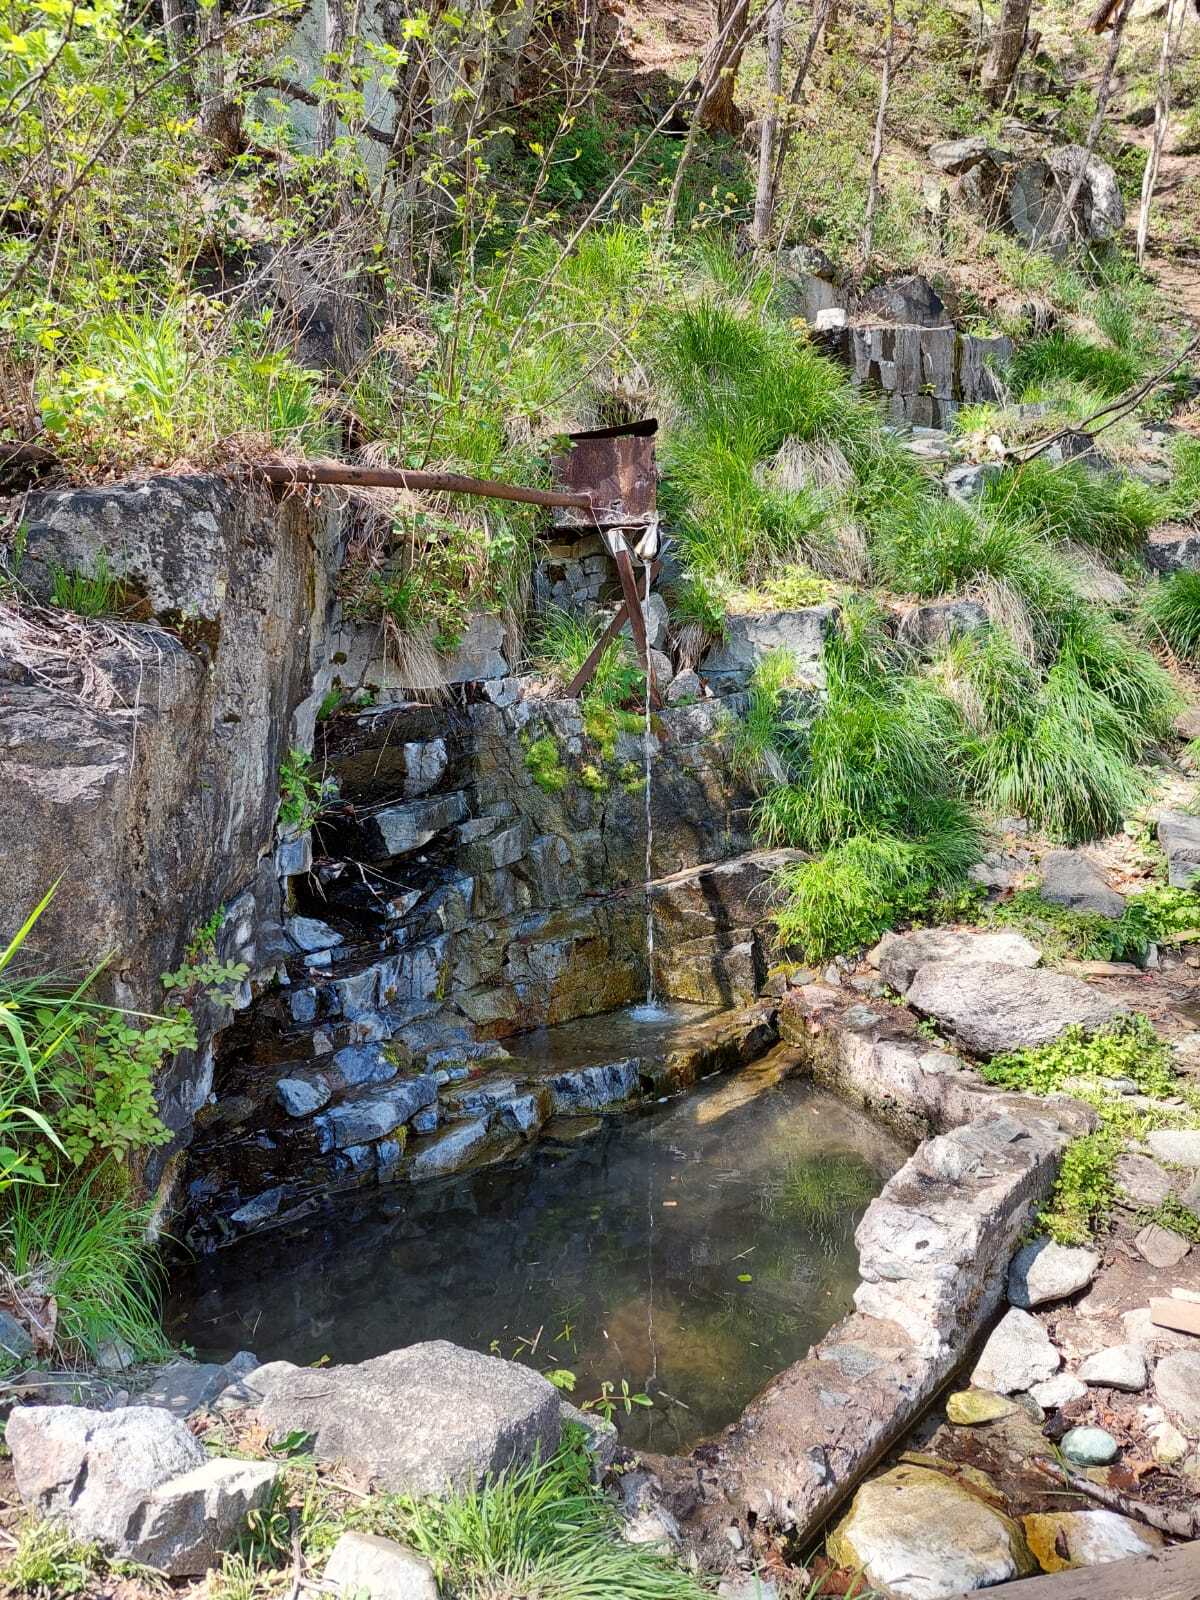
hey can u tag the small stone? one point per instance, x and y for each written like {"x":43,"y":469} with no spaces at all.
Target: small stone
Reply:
{"x":300,"y":1097}
{"x":188,"y":1521}
{"x":311,"y":934}
{"x":1177,"y":1388}
{"x":1169,"y":1444}
{"x":1120,"y":1366}
{"x":1178,"y":1147}
{"x":1089,"y":1447}
{"x":1143,"y":1180}
{"x":1064,"y":1539}
{"x":1160,"y":1246}
{"x":14,"y":1337}
{"x":373,"y":1568}
{"x":1016,"y":1356}
{"x":1191,"y":1197}
{"x":685,"y":687}
{"x":1044,"y":1271}
{"x":971,"y":1406}
{"x":1058,"y":1391}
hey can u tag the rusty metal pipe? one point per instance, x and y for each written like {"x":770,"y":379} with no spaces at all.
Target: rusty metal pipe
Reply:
{"x":410,"y":478}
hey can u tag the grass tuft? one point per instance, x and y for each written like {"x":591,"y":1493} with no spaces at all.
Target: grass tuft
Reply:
{"x":1171,"y":610}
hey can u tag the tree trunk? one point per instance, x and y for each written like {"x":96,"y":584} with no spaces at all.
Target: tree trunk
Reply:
{"x":220,"y":116}
{"x":717,"y":112}
{"x":885,"y":90}
{"x":1172,"y":28}
{"x":332,"y":68}
{"x":821,"y":16}
{"x":1063,"y":221}
{"x":1005,"y":51}
{"x":764,"y":199}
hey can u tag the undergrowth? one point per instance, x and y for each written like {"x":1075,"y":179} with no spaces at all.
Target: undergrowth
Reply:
{"x":1160,"y":915}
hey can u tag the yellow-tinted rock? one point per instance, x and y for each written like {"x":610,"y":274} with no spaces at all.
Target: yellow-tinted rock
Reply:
{"x":971,"y":1406}
{"x":1063,"y":1539}
{"x":918,"y":1534}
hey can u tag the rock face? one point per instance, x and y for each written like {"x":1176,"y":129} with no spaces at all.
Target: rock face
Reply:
{"x":1179,"y":835}
{"x":1017,"y":1355}
{"x":922,"y":1535}
{"x":418,"y":1419}
{"x":134,"y":1481}
{"x":749,"y":637}
{"x":1043,"y":1272}
{"x":992,"y":1008}
{"x":363,"y":1564}
{"x":900,"y":956}
{"x":1070,"y":879}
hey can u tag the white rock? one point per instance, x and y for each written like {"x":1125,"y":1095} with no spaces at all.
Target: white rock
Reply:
{"x":1092,"y":1537}
{"x":1178,"y":1146}
{"x":1044,"y":1271}
{"x":96,"y":1469}
{"x":364,"y":1565}
{"x":1177,"y":1388}
{"x":1120,"y":1366}
{"x":188,"y":1521}
{"x":1058,"y":1391}
{"x":1017,"y":1355}
{"x":1170,"y":1446}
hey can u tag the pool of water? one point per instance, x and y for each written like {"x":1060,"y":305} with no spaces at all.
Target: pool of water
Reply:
{"x":692,"y":1251}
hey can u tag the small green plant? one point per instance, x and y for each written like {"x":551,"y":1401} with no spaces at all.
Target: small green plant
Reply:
{"x":565,"y":641}
{"x":544,"y":765}
{"x":615,"y":1397}
{"x":1085,"y":1189}
{"x":301,"y":791}
{"x":602,"y":724}
{"x":202,"y":971}
{"x":49,"y":1563}
{"x":1171,"y":609}
{"x":1173,"y":1214}
{"x":88,"y":594}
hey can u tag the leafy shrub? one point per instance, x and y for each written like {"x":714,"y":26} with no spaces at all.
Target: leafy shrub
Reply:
{"x":1172,"y":611}
{"x":49,"y":1563}
{"x":301,"y":791}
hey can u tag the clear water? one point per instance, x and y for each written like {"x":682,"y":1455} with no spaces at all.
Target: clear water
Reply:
{"x":694,"y":1251}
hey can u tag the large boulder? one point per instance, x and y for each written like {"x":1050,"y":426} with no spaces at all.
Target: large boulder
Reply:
{"x":991,"y":1008}
{"x":900,"y":956}
{"x":1177,"y":1388}
{"x":419,"y":1420}
{"x":184,"y":1524}
{"x":1070,"y":878}
{"x":1044,"y":1271}
{"x":1037,"y":190}
{"x":922,"y":1535}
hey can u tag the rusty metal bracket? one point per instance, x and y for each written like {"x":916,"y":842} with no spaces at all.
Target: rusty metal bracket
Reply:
{"x":588,"y":670}
{"x":615,"y":540}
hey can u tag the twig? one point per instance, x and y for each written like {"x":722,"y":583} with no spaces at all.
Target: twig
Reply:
{"x":1179,"y":1524}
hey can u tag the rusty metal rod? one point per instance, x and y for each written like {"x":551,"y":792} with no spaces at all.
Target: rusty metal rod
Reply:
{"x":410,"y":478}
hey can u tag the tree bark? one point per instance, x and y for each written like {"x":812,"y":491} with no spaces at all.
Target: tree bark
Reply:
{"x":718,"y":111}
{"x":332,"y":68}
{"x":1063,"y":221}
{"x":1005,"y":50}
{"x":764,"y":199}
{"x":821,"y":17}
{"x":885,"y":90}
{"x":1172,"y":28}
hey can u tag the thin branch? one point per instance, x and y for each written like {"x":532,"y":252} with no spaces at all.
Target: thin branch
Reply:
{"x":1121,"y":406}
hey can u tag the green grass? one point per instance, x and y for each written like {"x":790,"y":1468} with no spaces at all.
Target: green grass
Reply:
{"x":1171,"y":611}
{"x":564,"y":641}
{"x":86,"y":1247}
{"x":1108,"y":511}
{"x":541,"y":1530}
{"x":49,"y":1562}
{"x":88,"y":594}
{"x":1183,"y":494}
{"x":1106,"y":369}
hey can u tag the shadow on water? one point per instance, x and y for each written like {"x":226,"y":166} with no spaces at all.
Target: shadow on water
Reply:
{"x":694,"y":1250}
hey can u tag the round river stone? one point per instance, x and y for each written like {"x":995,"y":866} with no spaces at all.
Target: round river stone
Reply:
{"x":1089,"y":1447}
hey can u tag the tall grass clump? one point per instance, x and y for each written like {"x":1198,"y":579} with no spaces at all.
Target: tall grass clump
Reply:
{"x":541,"y":1529}
{"x":1110,"y":511}
{"x":1182,"y":498}
{"x":1105,"y":368}
{"x":1171,"y":611}
{"x":564,"y":641}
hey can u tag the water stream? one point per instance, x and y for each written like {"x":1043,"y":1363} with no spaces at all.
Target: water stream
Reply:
{"x":693,"y":1251}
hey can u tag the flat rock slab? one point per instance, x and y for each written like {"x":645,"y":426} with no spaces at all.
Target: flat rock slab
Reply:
{"x":991,"y":1008}
{"x":922,"y":1535}
{"x":95,"y":1469}
{"x":185,"y":1523}
{"x":1120,"y":1366}
{"x":1177,"y":1388}
{"x":900,"y":956}
{"x":1143,"y":1181}
{"x":378,"y":1569}
{"x":1017,"y":1355}
{"x":1044,"y":1271}
{"x":186,"y":1386}
{"x":1070,"y":878}
{"x":1178,"y":1147}
{"x":418,"y":1420}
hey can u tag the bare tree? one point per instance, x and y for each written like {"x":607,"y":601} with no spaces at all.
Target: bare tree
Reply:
{"x":885,"y":90}
{"x":1172,"y":28}
{"x":1067,"y":211}
{"x":1005,"y":50}
{"x":768,"y":135}
{"x":718,"y":111}
{"x":822,"y":16}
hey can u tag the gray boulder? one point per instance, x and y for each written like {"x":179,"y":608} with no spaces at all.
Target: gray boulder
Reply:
{"x":185,"y":1523}
{"x":1016,"y":1356}
{"x":1179,"y":1147}
{"x":1071,"y":879}
{"x":931,"y":627}
{"x":418,"y":1420}
{"x":1044,"y":1271}
{"x":376,"y":1115}
{"x":1179,"y":835}
{"x":1177,"y":1388}
{"x":310,"y":933}
{"x":1143,"y":1181}
{"x":183,"y":1386}
{"x":593,"y":1088}
{"x":900,"y":956}
{"x":748,"y":638}
{"x":1037,"y":190}
{"x":1119,"y":1366}
{"x":448,"y":1150}
{"x":956,"y":156}
{"x":300,"y":1097}
{"x":1161,"y":1247}
{"x":365,"y":1565}
{"x":992,"y":1008}
{"x":396,"y":830}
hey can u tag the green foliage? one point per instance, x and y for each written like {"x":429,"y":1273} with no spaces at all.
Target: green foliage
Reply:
{"x":699,"y":602}
{"x":1127,"y":1048}
{"x":757,"y":735}
{"x":1109,"y":511}
{"x":1106,"y":369}
{"x":1159,"y":915}
{"x":86,"y":1246}
{"x":602,"y":724}
{"x":49,"y":1562}
{"x":541,"y":1529}
{"x":564,"y":642}
{"x":301,"y":791}
{"x":1183,"y":493}
{"x":88,"y":594}
{"x":1084,"y":1190}
{"x":544,"y":765}
{"x":1173,"y":1214}
{"x":202,"y":970}
{"x":1172,"y":612}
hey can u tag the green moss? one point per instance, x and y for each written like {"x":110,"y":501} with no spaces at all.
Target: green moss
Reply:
{"x":544,"y":765}
{"x":602,"y":724}
{"x":592,"y":778}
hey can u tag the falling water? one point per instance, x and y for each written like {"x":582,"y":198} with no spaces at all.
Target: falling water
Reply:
{"x":647,"y":741}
